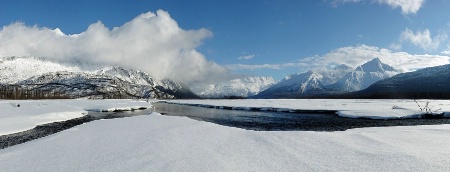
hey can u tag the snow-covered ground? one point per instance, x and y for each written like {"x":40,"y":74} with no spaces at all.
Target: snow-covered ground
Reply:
{"x":353,"y":108}
{"x":171,"y":143}
{"x":34,"y":112}
{"x":168,"y":143}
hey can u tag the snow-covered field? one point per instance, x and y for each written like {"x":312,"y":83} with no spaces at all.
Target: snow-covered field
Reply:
{"x":171,"y":143}
{"x":168,"y":143}
{"x":353,"y":108}
{"x":34,"y":112}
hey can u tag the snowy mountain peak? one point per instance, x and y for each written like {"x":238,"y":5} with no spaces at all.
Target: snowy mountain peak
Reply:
{"x":341,"y":78}
{"x":295,"y":85}
{"x":375,"y":65}
{"x":364,"y":76}
{"x":84,"y":80}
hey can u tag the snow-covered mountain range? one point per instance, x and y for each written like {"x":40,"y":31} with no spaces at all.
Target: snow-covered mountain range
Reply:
{"x":429,"y":83}
{"x":240,"y":87}
{"x":85,"y":80}
{"x":31,"y":77}
{"x":364,"y":76}
{"x":338,"y":80}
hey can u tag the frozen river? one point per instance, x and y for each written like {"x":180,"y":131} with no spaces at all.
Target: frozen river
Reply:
{"x":275,"y":121}
{"x":245,"y":119}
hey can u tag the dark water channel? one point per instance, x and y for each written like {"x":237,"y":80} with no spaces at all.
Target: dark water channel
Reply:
{"x":283,"y":121}
{"x":250,"y":120}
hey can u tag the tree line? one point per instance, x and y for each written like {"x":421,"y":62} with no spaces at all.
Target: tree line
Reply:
{"x":26,"y":92}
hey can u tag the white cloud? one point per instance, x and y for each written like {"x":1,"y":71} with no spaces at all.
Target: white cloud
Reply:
{"x":354,"y":56}
{"x":422,"y":39}
{"x":357,"y":55}
{"x":236,"y":67}
{"x":151,"y":42}
{"x":446,"y":51}
{"x":407,"y":6}
{"x":246,"y":57}
{"x":395,"y":46}
{"x":253,"y":67}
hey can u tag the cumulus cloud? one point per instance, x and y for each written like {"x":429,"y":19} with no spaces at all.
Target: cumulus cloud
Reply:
{"x":354,"y":56}
{"x":151,"y":42}
{"x":357,"y":55}
{"x":246,"y":57}
{"x":407,"y":6}
{"x":422,"y":39}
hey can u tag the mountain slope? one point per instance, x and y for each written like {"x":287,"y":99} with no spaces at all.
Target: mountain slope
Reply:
{"x":241,"y":87}
{"x":294,"y":86}
{"x":364,"y":76}
{"x":433,"y":82}
{"x":46,"y":79}
{"x":304,"y":84}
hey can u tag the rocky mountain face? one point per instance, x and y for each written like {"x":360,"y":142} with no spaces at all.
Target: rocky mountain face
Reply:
{"x":341,"y":79}
{"x":35,"y":78}
{"x":240,"y":87}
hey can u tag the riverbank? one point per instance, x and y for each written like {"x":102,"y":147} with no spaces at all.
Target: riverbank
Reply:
{"x":55,"y":127}
{"x":273,"y":120}
{"x":350,"y":108}
{"x":22,"y":115}
{"x":170,"y":143}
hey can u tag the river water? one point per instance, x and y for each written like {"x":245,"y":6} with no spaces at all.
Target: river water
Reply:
{"x":279,"y":121}
{"x":250,"y":120}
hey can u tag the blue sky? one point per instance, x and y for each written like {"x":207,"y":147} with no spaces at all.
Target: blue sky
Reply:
{"x":275,"y":37}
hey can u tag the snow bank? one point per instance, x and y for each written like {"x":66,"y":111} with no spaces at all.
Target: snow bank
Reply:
{"x":116,"y":105}
{"x":34,"y":112}
{"x":168,"y":143}
{"x":353,"y":108}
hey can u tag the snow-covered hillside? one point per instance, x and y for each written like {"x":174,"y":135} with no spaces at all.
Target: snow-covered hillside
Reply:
{"x":241,"y":87}
{"x":321,"y":82}
{"x":84,"y":80}
{"x":170,"y":143}
{"x":364,"y":76}
{"x":15,"y":69}
{"x":296,"y":84}
{"x":432,"y":82}
{"x":308,"y":83}
{"x":37,"y":112}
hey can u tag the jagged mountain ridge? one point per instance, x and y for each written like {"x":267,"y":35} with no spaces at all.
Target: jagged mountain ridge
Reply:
{"x":302,"y":84}
{"x":74,"y":81}
{"x":240,"y":87}
{"x":364,"y":76}
{"x":294,"y":85}
{"x":341,"y":79}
